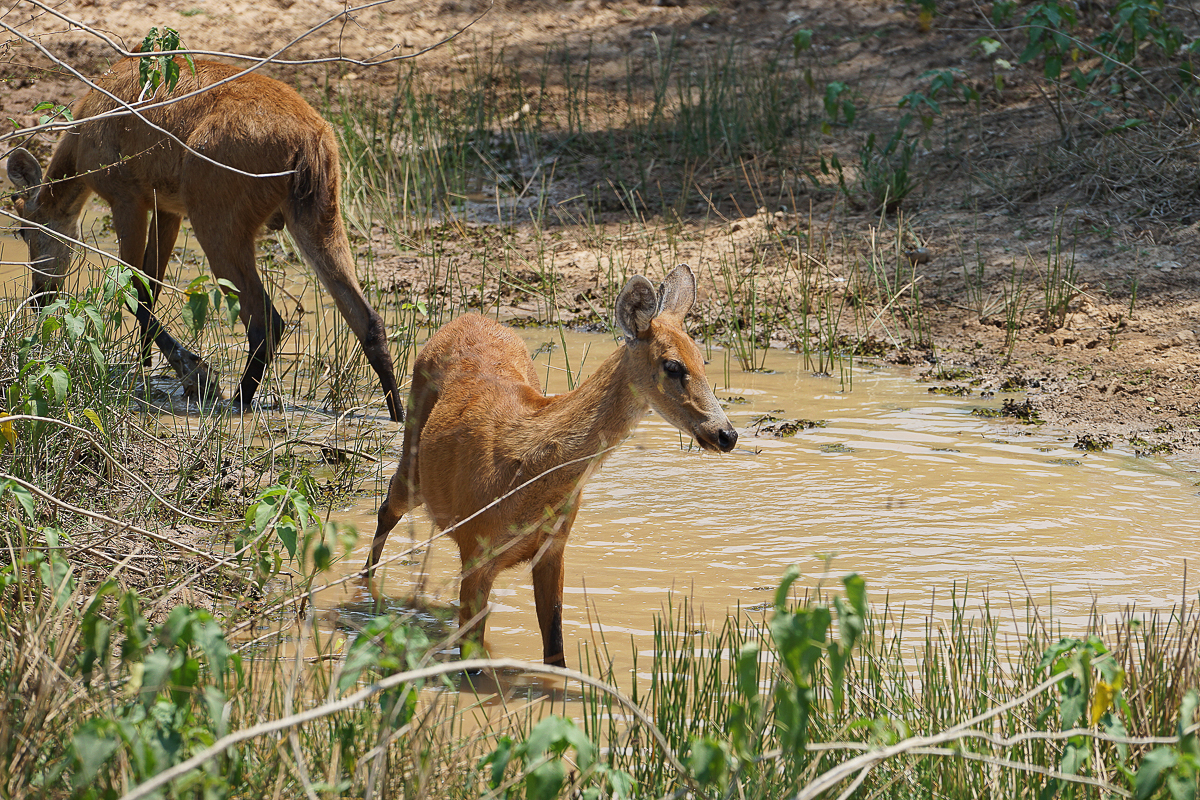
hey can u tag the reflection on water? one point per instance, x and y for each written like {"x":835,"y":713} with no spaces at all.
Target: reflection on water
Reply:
{"x":902,"y":486}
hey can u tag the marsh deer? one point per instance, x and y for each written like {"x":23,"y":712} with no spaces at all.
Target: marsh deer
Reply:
{"x":254,"y":124}
{"x":501,"y":466}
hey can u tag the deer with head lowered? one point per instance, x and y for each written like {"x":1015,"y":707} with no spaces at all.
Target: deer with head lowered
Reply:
{"x":173,"y":160}
{"x":500,"y":466}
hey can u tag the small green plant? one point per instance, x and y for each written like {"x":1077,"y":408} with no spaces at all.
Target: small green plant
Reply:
{"x":285,"y":510}
{"x":1175,"y":768}
{"x":179,"y":676}
{"x":198,"y":302}
{"x":155,"y":70}
{"x":1049,"y":25}
{"x":886,"y":178}
{"x":839,"y":102}
{"x":544,"y":771}
{"x":743,"y":327}
{"x":54,"y":111}
{"x":1060,"y":281}
{"x":1015,"y":299}
{"x":1089,"y":696}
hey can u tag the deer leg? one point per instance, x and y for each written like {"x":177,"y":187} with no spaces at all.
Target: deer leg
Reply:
{"x":547,"y":596}
{"x":404,"y":490}
{"x":329,"y":254}
{"x":368,"y":327}
{"x":164,"y":228}
{"x":478,"y":574}
{"x":200,"y":382}
{"x":264,"y":332}
{"x":230,"y":254}
{"x":129,"y":221}
{"x":403,"y":494}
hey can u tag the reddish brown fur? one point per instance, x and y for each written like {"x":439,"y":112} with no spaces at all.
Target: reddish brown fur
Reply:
{"x":479,"y":428}
{"x":254,"y":124}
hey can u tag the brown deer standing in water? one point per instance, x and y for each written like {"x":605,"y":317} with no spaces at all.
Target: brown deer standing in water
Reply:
{"x":254,"y":124}
{"x":481,"y":431}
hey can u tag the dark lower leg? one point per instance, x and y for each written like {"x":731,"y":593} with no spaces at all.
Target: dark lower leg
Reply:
{"x":199,"y":381}
{"x":547,"y":596}
{"x":263,"y":342}
{"x":375,"y":346}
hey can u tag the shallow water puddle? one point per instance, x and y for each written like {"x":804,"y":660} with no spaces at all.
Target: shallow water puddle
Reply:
{"x":900,"y":485}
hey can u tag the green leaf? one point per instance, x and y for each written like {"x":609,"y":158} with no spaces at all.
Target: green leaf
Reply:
{"x":498,"y":761}
{"x":94,"y":743}
{"x":75,"y":326}
{"x":550,"y":734}
{"x":226,"y":296}
{"x":1126,"y":125}
{"x":285,"y":529}
{"x":58,"y":383}
{"x":1150,"y":773}
{"x":24,"y":497}
{"x":211,"y":640}
{"x":1181,"y":787}
{"x":1115,"y":726}
{"x":214,"y":702}
{"x":545,"y":781}
{"x":363,"y":653}
{"x":988,"y":45}
{"x":1187,"y":712}
{"x":95,"y":632}
{"x":837,"y":675}
{"x":1074,"y":757}
{"x":747,"y":670}
{"x":621,"y":783}
{"x":55,"y":573}
{"x":708,"y":761}
{"x":195,"y":311}
{"x":176,"y":630}
{"x":97,"y":355}
{"x":265,"y":510}
{"x":159,"y":665}
{"x":801,"y":41}
{"x":790,"y":575}
{"x":1053,"y":67}
{"x":856,"y":593}
{"x":322,"y":557}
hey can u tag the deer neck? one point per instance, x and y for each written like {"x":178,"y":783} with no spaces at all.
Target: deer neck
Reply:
{"x":595,"y":416}
{"x":65,"y":192}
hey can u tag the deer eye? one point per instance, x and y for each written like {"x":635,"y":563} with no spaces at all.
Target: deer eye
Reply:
{"x":674,"y":369}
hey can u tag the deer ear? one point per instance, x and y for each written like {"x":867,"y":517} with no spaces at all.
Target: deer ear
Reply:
{"x":636,"y":307}
{"x":25,"y":172}
{"x":677,"y":294}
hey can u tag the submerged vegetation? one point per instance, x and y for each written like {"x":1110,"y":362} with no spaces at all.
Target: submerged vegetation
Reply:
{"x":158,"y":567}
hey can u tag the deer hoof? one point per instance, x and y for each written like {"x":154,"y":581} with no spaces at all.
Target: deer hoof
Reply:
{"x":201,"y":383}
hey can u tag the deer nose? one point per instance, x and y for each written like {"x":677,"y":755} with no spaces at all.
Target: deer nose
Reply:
{"x":726,"y":439}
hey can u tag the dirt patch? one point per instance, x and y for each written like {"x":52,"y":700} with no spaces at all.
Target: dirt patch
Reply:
{"x":1118,"y":359}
